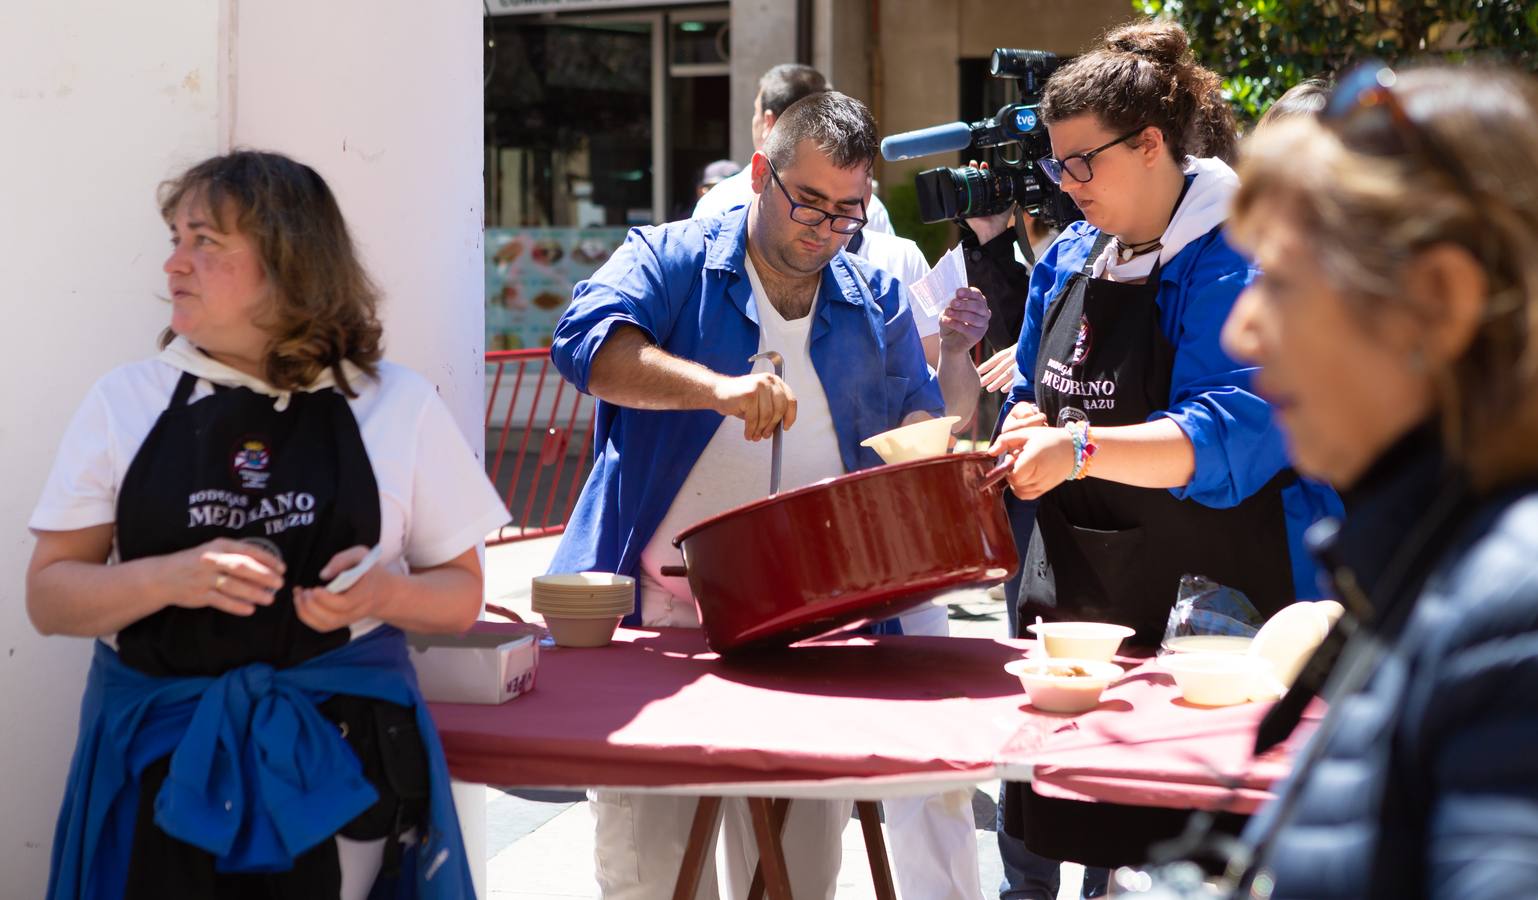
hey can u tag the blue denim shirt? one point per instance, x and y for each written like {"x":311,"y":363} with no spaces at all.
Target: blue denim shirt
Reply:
{"x":685,"y":285}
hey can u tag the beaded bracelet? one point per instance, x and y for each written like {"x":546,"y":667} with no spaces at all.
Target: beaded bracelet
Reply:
{"x":1083,"y":449}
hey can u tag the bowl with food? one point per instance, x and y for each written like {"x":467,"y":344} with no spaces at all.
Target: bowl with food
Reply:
{"x":1064,"y":685}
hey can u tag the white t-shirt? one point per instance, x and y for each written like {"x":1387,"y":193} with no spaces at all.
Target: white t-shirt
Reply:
{"x":903,"y":260}
{"x":737,"y":190}
{"x":732,"y":470}
{"x":435,"y":500}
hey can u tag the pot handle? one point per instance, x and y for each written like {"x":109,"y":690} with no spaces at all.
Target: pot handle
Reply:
{"x":675,"y":571}
{"x":997,"y":473}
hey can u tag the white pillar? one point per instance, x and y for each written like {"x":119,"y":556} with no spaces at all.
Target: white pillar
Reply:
{"x":763,"y":36}
{"x":98,"y":106}
{"x":100,"y":102}
{"x":384,"y":99}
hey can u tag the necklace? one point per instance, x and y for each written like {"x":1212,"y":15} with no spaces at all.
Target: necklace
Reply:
{"x":1128,"y":252}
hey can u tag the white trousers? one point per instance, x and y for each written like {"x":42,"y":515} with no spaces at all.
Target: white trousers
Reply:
{"x":933,"y":837}
{"x":639,"y":840}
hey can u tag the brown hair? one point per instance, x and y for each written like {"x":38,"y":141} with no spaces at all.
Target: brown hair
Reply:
{"x":786,"y":83}
{"x":1144,"y":74}
{"x":1306,"y":98}
{"x":1366,"y":204}
{"x":840,"y":126}
{"x":323,"y":304}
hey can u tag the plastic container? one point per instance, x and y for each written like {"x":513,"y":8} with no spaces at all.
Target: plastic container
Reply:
{"x":1053,"y":691}
{"x":582,"y":632}
{"x":1218,"y":679}
{"x":1080,"y":640}
{"x":931,"y":437}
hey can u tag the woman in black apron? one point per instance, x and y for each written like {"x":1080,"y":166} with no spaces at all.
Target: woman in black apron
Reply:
{"x":251,"y":734}
{"x":1139,"y":439}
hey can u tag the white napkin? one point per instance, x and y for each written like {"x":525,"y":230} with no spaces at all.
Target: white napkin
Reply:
{"x":935,"y":291}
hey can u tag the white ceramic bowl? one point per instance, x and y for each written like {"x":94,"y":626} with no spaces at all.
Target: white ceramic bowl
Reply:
{"x":1207,"y":643}
{"x":931,"y":437}
{"x":1053,"y":691}
{"x":1217,"y":679}
{"x":1081,"y":640}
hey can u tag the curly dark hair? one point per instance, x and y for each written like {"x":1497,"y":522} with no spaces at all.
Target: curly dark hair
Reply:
{"x":324,"y":306}
{"x":1144,"y":74}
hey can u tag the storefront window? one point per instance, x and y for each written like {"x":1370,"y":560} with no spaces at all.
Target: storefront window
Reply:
{"x":594,"y":123}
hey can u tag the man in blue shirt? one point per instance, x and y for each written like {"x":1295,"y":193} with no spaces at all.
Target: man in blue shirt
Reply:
{"x":662,"y":335}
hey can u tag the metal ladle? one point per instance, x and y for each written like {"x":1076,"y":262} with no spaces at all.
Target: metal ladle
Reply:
{"x":778,"y":361}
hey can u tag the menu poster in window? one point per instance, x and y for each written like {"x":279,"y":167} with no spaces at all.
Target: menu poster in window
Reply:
{"x":530,"y":274}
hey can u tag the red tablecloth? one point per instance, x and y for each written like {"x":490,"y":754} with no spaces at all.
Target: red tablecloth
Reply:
{"x":1143,"y":746}
{"x":655,"y":709}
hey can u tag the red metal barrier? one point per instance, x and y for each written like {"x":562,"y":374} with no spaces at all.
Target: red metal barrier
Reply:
{"x":532,"y":400}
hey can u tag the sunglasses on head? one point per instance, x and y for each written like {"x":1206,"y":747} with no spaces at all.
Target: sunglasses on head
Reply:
{"x":1363,"y":100}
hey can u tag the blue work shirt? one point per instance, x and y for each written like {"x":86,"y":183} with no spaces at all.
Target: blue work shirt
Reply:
{"x":685,"y":285}
{"x":1238,"y":446}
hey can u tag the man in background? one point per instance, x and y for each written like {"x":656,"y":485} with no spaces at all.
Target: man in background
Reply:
{"x":714,"y":174}
{"x":777,"y":90}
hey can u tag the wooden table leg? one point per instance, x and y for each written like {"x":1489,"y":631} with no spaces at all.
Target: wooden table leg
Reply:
{"x":781,"y":810}
{"x":771,"y":852}
{"x":875,"y":850}
{"x":707,"y":817}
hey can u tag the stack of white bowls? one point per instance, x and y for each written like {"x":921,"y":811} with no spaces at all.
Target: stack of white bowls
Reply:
{"x":583,"y":609}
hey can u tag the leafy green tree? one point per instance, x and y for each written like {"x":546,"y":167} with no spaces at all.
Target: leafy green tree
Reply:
{"x":1263,"y":47}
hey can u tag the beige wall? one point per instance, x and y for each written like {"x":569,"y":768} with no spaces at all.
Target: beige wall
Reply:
{"x":1058,"y":25}
{"x":914,"y":68}
{"x":763,"y":36}
{"x":104,"y":100}
{"x":99,"y":106}
{"x":841,"y":42}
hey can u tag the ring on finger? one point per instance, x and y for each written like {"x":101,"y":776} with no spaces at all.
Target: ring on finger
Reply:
{"x":219,"y":582}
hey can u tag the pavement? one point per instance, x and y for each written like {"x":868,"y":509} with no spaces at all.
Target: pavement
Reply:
{"x":539,"y":843}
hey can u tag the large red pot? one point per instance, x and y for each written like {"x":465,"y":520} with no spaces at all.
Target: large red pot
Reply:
{"x":841,"y":553}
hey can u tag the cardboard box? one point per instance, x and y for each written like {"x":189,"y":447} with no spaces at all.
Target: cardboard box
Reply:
{"x":492,"y":663}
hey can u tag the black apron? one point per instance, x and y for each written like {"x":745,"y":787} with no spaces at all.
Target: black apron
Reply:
{"x":299,"y":484}
{"x":1111,"y":552}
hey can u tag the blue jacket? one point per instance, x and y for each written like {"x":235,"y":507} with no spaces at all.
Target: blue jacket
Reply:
{"x":1238,"y":446}
{"x":257,"y":774}
{"x":684,"y":284}
{"x":1429,"y":787}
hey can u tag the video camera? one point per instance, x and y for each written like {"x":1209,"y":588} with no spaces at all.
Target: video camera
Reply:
{"x":964,"y":193}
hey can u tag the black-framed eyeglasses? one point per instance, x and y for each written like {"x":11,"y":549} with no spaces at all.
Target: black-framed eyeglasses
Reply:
{"x":1362,"y":100}
{"x":802,"y":214}
{"x":1077,"y":165}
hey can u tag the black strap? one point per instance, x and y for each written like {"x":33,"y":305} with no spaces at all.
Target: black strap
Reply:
{"x":856,"y":242}
{"x":183,"y":392}
{"x":1023,"y":239}
{"x":1100,"y":244}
